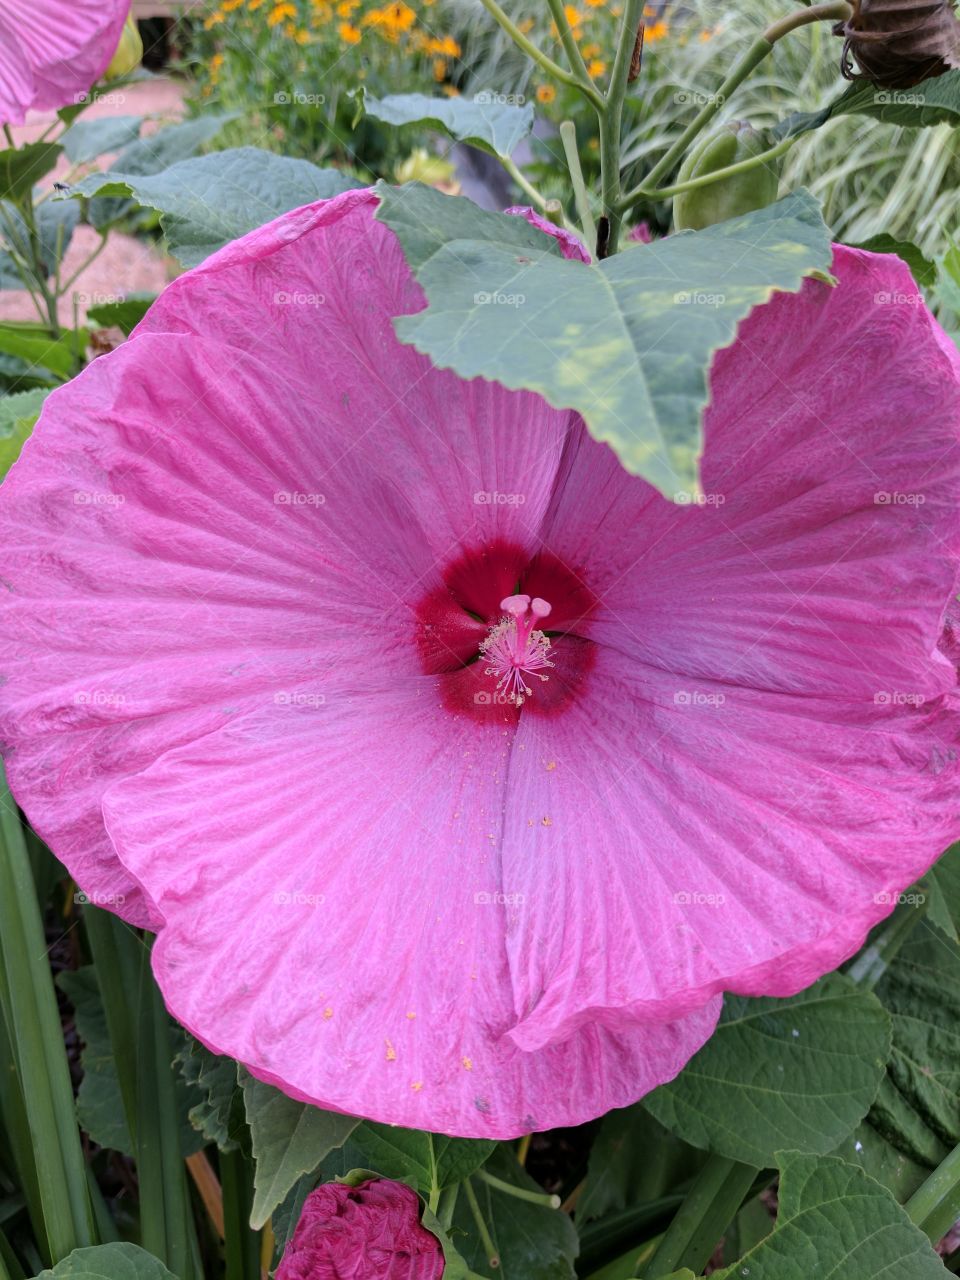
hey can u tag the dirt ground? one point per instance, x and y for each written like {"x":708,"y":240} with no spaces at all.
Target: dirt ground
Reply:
{"x":125,"y":265}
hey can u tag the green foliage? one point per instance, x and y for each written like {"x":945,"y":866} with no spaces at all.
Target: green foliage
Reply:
{"x":492,"y":126}
{"x":433,"y":1160}
{"x":108,"y":1262}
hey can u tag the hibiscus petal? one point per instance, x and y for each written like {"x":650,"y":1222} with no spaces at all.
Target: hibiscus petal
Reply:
{"x":356,"y":954}
{"x":687,"y":841}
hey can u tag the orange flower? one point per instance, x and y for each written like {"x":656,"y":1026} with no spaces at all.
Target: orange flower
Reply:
{"x":439,"y":69}
{"x":596,"y":67}
{"x":212,"y":21}
{"x":349,"y":34}
{"x":228,"y":6}
{"x":546,"y":93}
{"x":591,"y":51}
{"x":526,"y":26}
{"x":656,"y":31}
{"x":346,"y":7}
{"x":573,"y":15}
{"x":279,"y":12}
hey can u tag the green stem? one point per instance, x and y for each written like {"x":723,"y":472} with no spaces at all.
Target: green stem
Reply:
{"x":610,"y":127}
{"x":935,"y":1206}
{"x":756,"y":53}
{"x":586,"y":87}
{"x":116,"y":951}
{"x":25,"y":207}
{"x":707,"y":1210}
{"x":568,"y":40}
{"x":241,"y":1244}
{"x":742,"y":166}
{"x":519,"y":1193}
{"x":36,"y":1038}
{"x":528,"y":189}
{"x":7,"y":133}
{"x":568,"y":136}
{"x":83,"y":265}
{"x":489,"y":1248}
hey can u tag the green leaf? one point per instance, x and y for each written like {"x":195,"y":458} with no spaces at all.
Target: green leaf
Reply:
{"x":798,"y":1073}
{"x":18,"y":415}
{"x":207,"y":201}
{"x":918,"y":1108}
{"x":433,"y":1159}
{"x":125,"y":314}
{"x":934,"y":101}
{"x":633,"y":1160}
{"x":100,"y":1110}
{"x":835,"y":1221}
{"x":626,"y":342}
{"x":924,"y":271}
{"x":532,"y":1241}
{"x":108,"y":1262}
{"x":22,"y":167}
{"x":485,"y":121}
{"x":87,"y":139}
{"x":32,"y":344}
{"x":289,"y":1139}
{"x":215,"y":1080}
{"x":942,"y":885}
{"x":870,"y":1151}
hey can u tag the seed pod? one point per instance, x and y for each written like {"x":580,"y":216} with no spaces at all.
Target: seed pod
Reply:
{"x":729,"y":197}
{"x":898,"y":43}
{"x":127,"y":55}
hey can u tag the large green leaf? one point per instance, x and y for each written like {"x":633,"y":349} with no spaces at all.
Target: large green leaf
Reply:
{"x":798,"y":1073}
{"x":435,"y":1161}
{"x":289,"y":1139}
{"x":30,"y":343}
{"x":99,"y":1102}
{"x":487,"y":120}
{"x":207,"y":201}
{"x":18,"y":415}
{"x":219,"y":1114}
{"x":942,"y":887}
{"x":108,"y":1262}
{"x":532,"y":1241}
{"x":633,"y":1160}
{"x":88,"y":139}
{"x":22,"y":167}
{"x":836,"y":1223}
{"x":918,"y":1108}
{"x":125,"y":314}
{"x":934,"y":101}
{"x":626,"y":342}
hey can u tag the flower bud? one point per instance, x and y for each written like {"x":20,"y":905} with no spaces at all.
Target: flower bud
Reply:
{"x":371,"y":1231}
{"x":129,"y":51}
{"x":898,"y":43}
{"x":729,"y":197}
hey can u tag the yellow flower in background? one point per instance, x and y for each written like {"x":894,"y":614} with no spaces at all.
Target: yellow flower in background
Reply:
{"x":211,"y":22}
{"x":349,"y":34}
{"x":596,"y":67}
{"x":346,"y":7}
{"x":398,"y":17}
{"x":446,"y":46}
{"x":449,"y":89}
{"x":228,"y":6}
{"x":279,"y":12}
{"x":254,"y":5}
{"x":595,"y":4}
{"x":439,"y":69}
{"x":591,"y":51}
{"x":656,"y":31}
{"x":526,"y":26}
{"x":573,"y":15}
{"x":546,"y":93}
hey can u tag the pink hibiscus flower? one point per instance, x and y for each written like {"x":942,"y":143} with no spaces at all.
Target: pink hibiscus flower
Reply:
{"x":280,"y":598}
{"x":52,"y":51}
{"x":368,"y":1232}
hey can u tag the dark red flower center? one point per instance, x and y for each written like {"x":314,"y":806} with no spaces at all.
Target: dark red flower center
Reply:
{"x":506,"y":631}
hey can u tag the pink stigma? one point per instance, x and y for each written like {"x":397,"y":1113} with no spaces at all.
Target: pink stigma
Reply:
{"x":514,"y":650}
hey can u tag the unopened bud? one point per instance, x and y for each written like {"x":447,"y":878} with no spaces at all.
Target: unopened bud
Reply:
{"x":898,"y":43}
{"x":128,"y":52}
{"x":728,"y":197}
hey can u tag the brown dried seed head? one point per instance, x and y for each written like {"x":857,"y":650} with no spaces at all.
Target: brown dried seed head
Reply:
{"x":898,"y":43}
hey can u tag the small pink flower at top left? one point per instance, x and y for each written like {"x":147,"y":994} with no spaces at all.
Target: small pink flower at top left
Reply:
{"x":368,"y":1232}
{"x":52,"y":51}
